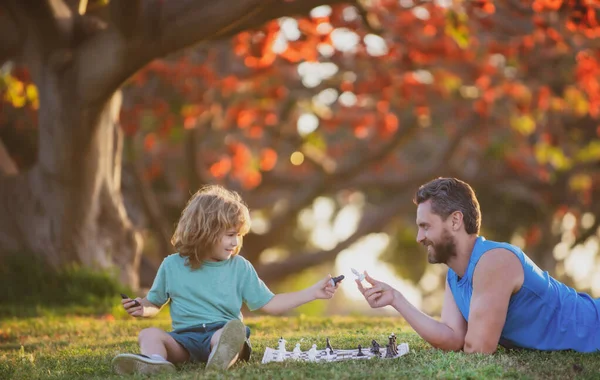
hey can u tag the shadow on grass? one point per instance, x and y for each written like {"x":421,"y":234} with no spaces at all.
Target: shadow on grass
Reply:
{"x":30,"y":288}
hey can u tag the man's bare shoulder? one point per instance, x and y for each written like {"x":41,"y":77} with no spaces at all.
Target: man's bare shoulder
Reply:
{"x":500,"y":265}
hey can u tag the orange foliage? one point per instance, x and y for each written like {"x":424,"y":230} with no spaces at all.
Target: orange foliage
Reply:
{"x":220,"y":168}
{"x":245,"y":118}
{"x":391,"y":122}
{"x":149,"y":142}
{"x":268,"y":159}
{"x":251,"y":179}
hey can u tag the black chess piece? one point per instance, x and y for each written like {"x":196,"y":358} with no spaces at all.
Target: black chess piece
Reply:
{"x":360,"y":353}
{"x":388,"y":351}
{"x":375,"y":348}
{"x":328,"y":346}
{"x":337,"y":279}
{"x":392,"y":345}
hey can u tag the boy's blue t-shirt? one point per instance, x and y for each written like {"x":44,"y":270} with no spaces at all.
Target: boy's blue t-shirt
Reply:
{"x":213,"y":293}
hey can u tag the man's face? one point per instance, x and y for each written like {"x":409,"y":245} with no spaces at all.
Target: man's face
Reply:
{"x":434,"y":233}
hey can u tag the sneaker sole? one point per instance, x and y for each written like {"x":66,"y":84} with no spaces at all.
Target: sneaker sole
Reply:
{"x":125,"y":364}
{"x":230,"y":344}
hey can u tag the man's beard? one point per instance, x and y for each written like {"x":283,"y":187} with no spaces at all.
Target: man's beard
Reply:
{"x":442,"y":251}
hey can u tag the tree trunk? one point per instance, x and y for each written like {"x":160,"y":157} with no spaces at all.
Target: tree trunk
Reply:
{"x":68,"y":208}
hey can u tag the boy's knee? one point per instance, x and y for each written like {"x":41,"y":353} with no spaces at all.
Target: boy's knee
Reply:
{"x":149,"y":334}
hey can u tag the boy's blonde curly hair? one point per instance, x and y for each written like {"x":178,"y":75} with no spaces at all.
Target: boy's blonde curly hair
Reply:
{"x":207,"y":216}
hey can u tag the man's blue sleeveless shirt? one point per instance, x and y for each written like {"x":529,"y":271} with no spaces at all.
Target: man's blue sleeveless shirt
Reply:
{"x":544,"y":314}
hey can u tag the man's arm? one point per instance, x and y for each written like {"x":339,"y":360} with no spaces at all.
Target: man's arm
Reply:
{"x":447,"y":334}
{"x":498,"y":275}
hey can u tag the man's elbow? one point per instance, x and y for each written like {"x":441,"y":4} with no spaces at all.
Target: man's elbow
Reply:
{"x":479,"y":347}
{"x":454,"y":344}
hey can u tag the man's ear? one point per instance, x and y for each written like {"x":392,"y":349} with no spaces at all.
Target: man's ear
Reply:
{"x":457,"y":220}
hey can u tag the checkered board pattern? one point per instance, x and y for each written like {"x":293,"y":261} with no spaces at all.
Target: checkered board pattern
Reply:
{"x":272,"y":355}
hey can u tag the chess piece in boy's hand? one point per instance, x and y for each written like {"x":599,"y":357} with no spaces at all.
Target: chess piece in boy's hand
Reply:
{"x":323,"y":289}
{"x":132,"y":307}
{"x":335,"y":280}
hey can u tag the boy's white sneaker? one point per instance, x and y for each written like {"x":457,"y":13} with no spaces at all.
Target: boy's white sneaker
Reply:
{"x":125,"y":364}
{"x":231,"y":342}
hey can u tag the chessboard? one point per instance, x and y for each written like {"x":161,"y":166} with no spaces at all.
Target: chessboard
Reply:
{"x":272,"y":355}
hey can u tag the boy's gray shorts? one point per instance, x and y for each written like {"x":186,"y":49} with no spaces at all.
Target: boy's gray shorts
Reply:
{"x":196,"y":340}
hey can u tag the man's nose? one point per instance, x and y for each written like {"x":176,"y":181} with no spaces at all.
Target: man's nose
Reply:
{"x":420,"y":237}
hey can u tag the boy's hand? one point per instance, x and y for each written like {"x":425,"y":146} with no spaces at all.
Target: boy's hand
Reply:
{"x":379,"y":294}
{"x":133,"y":307}
{"x":323,"y":288}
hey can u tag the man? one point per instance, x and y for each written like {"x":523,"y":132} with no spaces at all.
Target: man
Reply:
{"x":494,"y":293}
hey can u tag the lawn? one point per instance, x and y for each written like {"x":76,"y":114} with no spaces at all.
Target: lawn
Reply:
{"x":62,"y":347}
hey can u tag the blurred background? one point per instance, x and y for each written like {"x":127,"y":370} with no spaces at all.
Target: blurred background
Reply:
{"x":327,"y":122}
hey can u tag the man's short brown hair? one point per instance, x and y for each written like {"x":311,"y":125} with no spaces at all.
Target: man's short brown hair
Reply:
{"x":449,"y":195}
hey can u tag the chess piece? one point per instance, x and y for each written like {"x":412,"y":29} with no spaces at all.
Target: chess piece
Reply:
{"x":359,"y":276}
{"x":312,"y":353}
{"x":329,"y":352}
{"x":375,"y":348}
{"x":328,"y":346}
{"x":335,"y":280}
{"x":281,"y":351}
{"x":388,"y":351}
{"x":296,"y":353}
{"x":360,"y":353}
{"x":392,"y":345}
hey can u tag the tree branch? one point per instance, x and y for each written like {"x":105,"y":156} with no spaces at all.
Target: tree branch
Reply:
{"x":167,"y":27}
{"x":373,"y":221}
{"x":587,"y":233}
{"x":370,"y":25}
{"x":11,"y":35}
{"x":7,"y":165}
{"x":125,"y":15}
{"x":52,"y":22}
{"x":402,"y":135}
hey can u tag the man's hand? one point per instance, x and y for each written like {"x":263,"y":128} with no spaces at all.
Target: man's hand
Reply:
{"x":323,"y":289}
{"x":379,"y":294}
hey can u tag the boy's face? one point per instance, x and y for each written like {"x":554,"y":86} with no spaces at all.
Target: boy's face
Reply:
{"x":228,"y":246}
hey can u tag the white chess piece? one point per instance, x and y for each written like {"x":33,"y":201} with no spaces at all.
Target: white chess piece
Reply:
{"x":329,"y":355}
{"x":296,"y":353}
{"x":281,"y":351}
{"x":312,"y":353}
{"x":359,"y":276}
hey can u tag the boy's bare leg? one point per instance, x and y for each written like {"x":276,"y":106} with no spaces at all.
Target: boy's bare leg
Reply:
{"x":156,"y":341}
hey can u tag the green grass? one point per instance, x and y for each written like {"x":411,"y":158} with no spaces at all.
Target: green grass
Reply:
{"x":61,"y":347}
